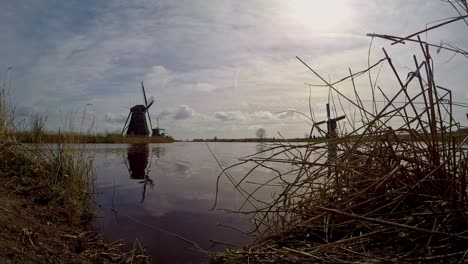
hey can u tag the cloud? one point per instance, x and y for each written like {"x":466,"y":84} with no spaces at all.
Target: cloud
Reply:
{"x":159,"y":76}
{"x":24,"y":111}
{"x":257,"y":116}
{"x":113,"y":118}
{"x":183,"y":112}
{"x":180,"y":113}
{"x":286,"y":114}
{"x":221,"y":59}
{"x":230,"y":116}
{"x":264,"y":115}
{"x":203,"y":87}
{"x":164,"y":115}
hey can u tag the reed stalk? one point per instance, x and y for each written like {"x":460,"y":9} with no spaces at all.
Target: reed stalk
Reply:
{"x":394,"y":192}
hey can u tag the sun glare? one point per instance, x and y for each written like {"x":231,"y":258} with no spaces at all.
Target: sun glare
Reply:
{"x":318,"y":15}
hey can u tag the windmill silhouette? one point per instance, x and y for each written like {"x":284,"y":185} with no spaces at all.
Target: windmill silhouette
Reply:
{"x":331,"y":124}
{"x":137,"y":116}
{"x":331,"y":134}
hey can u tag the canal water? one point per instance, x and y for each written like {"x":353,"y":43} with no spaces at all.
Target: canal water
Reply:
{"x":147,"y":194}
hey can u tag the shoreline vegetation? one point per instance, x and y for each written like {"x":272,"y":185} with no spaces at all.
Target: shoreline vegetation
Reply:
{"x":391,"y":190}
{"x":402,"y":137}
{"x":47,"y":137}
{"x":47,"y":204}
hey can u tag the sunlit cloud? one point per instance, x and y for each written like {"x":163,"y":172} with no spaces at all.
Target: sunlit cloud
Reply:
{"x":213,"y":69}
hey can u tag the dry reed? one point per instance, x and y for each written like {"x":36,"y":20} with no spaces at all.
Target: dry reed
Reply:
{"x":395,"y":191}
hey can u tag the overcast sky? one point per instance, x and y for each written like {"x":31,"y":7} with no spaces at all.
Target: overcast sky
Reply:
{"x":215,"y":68}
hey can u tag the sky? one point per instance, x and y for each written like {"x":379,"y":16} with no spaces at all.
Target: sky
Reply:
{"x":214,"y":68}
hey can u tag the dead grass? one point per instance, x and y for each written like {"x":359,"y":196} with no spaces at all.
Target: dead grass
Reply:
{"x":46,"y":195}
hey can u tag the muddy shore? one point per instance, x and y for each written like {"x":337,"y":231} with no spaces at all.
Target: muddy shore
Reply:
{"x":38,"y":226}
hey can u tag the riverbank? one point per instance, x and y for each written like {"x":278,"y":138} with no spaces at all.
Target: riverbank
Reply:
{"x":47,"y":206}
{"x":458,"y":137}
{"x":44,"y":137}
{"x":43,"y":220}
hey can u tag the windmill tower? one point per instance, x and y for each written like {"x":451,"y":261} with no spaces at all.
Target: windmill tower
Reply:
{"x":331,"y":134}
{"x":137,"y":116}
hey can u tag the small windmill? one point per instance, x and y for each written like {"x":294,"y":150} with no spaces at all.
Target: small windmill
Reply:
{"x":331,"y":123}
{"x":331,"y":134}
{"x":158,"y":131}
{"x":137,"y":116}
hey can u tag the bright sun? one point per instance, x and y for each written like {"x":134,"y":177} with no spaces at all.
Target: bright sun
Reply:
{"x":318,"y":15}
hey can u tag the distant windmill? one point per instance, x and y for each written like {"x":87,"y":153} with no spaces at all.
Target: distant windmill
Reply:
{"x":331,"y":134}
{"x":158,"y":131}
{"x":137,"y":116}
{"x":331,"y":123}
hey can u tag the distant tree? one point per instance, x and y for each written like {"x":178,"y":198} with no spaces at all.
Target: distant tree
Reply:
{"x":261,"y":133}
{"x":215,"y":138}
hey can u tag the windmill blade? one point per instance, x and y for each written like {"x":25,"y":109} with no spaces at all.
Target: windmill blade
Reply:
{"x":319,"y":123}
{"x":340,"y":118}
{"x":147,"y":106}
{"x":151,"y":101}
{"x":144,"y":94}
{"x":125,"y":126}
{"x":149,"y":118}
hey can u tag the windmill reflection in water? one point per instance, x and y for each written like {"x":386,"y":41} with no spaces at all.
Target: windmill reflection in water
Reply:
{"x":139,"y":161}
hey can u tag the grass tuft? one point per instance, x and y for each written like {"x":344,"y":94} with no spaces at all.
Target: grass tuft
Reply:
{"x":46,"y":194}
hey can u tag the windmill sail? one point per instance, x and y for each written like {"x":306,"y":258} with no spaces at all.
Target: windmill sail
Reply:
{"x":144,"y":94}
{"x":150,"y":102}
{"x":126,"y":121}
{"x":147,"y":105}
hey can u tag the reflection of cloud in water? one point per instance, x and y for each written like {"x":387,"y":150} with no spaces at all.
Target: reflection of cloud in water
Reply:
{"x":164,"y":202}
{"x":160,"y":206}
{"x":158,"y":151}
{"x":180,"y":169}
{"x":184,"y":175}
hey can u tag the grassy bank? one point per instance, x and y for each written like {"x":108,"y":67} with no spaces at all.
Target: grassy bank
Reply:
{"x":46,"y":198}
{"x":47,"y":137}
